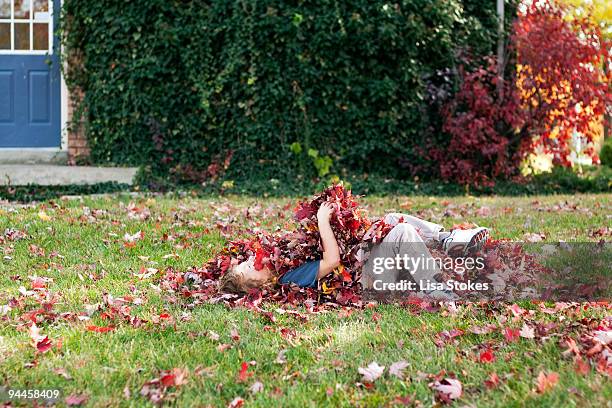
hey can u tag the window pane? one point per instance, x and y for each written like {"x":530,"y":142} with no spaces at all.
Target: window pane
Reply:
{"x":5,"y":36}
{"x":41,"y":36}
{"x":5,"y":8}
{"x":22,"y":8}
{"x":22,"y":36}
{"x":41,"y":5}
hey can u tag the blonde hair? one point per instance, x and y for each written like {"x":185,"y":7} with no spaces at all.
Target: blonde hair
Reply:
{"x":234,"y":282}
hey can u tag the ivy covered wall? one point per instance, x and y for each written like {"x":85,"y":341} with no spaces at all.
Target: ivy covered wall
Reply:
{"x":261,"y":89}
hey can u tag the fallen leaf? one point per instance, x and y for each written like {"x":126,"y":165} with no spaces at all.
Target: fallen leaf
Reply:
{"x":572,"y":347}
{"x":44,"y":216}
{"x":62,"y":372}
{"x":492,"y":381}
{"x":234,"y":335}
{"x":174,"y":378}
{"x":449,"y":389}
{"x":490,"y":328}
{"x":155,"y":389}
{"x":397,"y":369}
{"x":405,"y":400}
{"x":516,"y":310}
{"x":534,"y":237}
{"x":134,"y":237}
{"x":243,"y":374}
{"x":486,"y":356}
{"x":527,"y":332}
{"x":511,"y":334}
{"x":582,"y":367}
{"x":372,"y":372}
{"x":44,"y":345}
{"x":603,"y":336}
{"x":256,"y":387}
{"x":75,"y":400}
{"x":100,"y":329}
{"x":236,"y":403}
{"x":41,"y":343}
{"x":223,"y":346}
{"x":546,"y":382}
{"x":280,"y":358}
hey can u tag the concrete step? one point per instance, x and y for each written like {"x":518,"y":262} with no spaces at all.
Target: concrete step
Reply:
{"x":49,"y":175}
{"x":33,"y":156}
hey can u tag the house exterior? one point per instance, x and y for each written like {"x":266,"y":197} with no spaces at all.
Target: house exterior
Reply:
{"x":35,"y":107}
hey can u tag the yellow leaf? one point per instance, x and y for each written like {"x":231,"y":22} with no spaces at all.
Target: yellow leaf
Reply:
{"x":325,"y":289}
{"x":43,"y":216}
{"x":339,"y":270}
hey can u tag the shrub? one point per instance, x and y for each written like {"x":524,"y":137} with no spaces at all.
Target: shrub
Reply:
{"x":605,"y":155}
{"x":175,"y":86}
{"x":480,"y":123}
{"x":559,"y":88}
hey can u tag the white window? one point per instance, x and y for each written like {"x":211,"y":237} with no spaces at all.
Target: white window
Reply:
{"x":26,"y":26}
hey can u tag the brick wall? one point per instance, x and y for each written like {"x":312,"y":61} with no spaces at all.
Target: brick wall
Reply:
{"x":77,"y":143}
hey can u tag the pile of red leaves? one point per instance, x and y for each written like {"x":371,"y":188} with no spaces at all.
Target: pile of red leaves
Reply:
{"x":284,"y":250}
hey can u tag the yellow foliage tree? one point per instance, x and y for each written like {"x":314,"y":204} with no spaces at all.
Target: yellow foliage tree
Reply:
{"x":600,"y":12}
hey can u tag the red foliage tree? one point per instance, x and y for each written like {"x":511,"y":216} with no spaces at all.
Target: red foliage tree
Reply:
{"x":562,"y":81}
{"x":559,"y":87}
{"x":480,"y":124}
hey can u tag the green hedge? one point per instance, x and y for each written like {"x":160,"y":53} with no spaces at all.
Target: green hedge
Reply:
{"x":34,"y":192}
{"x":295,"y":89}
{"x":560,"y":181}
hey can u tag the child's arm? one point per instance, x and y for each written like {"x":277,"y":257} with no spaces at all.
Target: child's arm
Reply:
{"x":331,"y":253}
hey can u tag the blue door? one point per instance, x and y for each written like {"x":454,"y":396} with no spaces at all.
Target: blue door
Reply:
{"x":30,"y":91}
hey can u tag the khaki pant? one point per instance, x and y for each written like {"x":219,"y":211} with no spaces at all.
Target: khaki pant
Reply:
{"x":407,"y":238}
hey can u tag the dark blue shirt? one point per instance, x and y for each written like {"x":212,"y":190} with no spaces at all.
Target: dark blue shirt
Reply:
{"x":304,"y":276}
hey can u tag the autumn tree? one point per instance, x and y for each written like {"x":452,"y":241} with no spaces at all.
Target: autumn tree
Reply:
{"x":558,"y":88}
{"x":563,"y":87}
{"x":600,"y":12}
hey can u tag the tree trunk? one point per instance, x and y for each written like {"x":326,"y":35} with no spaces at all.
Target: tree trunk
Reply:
{"x":500,"y":49}
{"x":607,"y":121}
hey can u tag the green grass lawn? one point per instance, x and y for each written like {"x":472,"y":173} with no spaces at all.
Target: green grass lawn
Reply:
{"x":311,"y":361}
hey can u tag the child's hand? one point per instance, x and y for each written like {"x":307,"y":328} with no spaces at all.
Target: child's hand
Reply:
{"x":325,"y":211}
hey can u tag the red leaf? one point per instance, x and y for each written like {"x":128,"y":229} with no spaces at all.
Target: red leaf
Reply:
{"x":100,"y":329}
{"x":546,"y":382}
{"x":44,"y":345}
{"x":243,"y":375}
{"x":167,"y":380}
{"x":38,"y":283}
{"x":236,"y":403}
{"x":303,"y":211}
{"x":516,"y":310}
{"x":487,"y":356}
{"x":174,"y":377}
{"x":260,"y":256}
{"x":582,"y":367}
{"x":492,"y":381}
{"x":511,"y":335}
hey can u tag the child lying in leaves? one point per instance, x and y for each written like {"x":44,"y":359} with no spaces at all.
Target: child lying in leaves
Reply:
{"x":330,"y":239}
